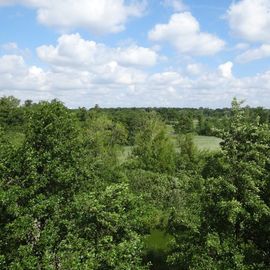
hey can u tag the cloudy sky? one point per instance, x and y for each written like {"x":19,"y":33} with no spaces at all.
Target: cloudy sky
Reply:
{"x":126,"y":53}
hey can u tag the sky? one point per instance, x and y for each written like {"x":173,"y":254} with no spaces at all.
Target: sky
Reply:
{"x":136,"y":53}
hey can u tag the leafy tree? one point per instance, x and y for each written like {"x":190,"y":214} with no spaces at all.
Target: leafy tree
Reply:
{"x":43,"y":177}
{"x":10,"y":113}
{"x":187,"y":157}
{"x":28,"y":103}
{"x":156,"y":188}
{"x":184,"y":124}
{"x":104,"y":134}
{"x":52,"y":214}
{"x":233,"y":231}
{"x":155,"y":149}
{"x":205,"y":126}
{"x":82,"y":114}
{"x":103,"y":140}
{"x":105,"y":235}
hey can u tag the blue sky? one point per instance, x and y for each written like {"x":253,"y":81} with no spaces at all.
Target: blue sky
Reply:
{"x":136,"y":53}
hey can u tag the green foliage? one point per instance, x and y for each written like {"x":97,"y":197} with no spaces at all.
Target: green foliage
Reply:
{"x":104,"y":231}
{"x":156,"y":188}
{"x":187,"y":156}
{"x":67,"y":201}
{"x":10,"y":113}
{"x":184,"y":124}
{"x":104,"y":136}
{"x":154,"y":148}
{"x":49,"y":217}
{"x":40,"y":179}
{"x":233,"y":231}
{"x":82,"y":114}
{"x":102,"y":141}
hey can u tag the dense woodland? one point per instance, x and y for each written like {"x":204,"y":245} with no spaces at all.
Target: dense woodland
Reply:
{"x":127,"y":188}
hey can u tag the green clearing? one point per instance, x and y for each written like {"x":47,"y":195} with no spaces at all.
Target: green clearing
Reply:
{"x":15,"y":137}
{"x":124,"y":153}
{"x":209,"y":143}
{"x":204,"y":143}
{"x":158,"y":240}
{"x":157,"y":246}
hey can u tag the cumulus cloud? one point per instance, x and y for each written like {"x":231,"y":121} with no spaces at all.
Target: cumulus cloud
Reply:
{"x":194,"y":69}
{"x":73,"y":50}
{"x":97,"y":16}
{"x":135,"y":55}
{"x":177,"y":5}
{"x":225,"y":70}
{"x":112,"y":84}
{"x":241,"y":46}
{"x":86,"y":64}
{"x":250,"y":19}
{"x":12,"y":63}
{"x":183,"y":32}
{"x":17,"y":76}
{"x":254,"y":54}
{"x":66,"y":83}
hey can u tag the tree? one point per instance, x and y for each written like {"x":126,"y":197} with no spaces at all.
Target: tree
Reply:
{"x":184,"y":124}
{"x":106,"y":236}
{"x":53,"y":215}
{"x":10,"y":113}
{"x":187,"y":156}
{"x":233,"y":232}
{"x":40,"y":180}
{"x":28,"y":103}
{"x":82,"y":114}
{"x":103,"y":140}
{"x":154,"y":148}
{"x":104,"y":134}
{"x":243,"y":207}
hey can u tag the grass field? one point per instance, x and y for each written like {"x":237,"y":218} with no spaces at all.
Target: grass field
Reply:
{"x":158,"y":240}
{"x":209,"y":143}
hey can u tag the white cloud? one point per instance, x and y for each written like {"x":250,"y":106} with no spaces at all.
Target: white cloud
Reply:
{"x":226,"y":70}
{"x":183,"y":32}
{"x":85,"y":64}
{"x":250,"y":19}
{"x":97,"y":16}
{"x":32,"y":3}
{"x":254,"y":54}
{"x":15,"y":75}
{"x":11,"y":46}
{"x":177,"y":5}
{"x":242,"y":46}
{"x":10,"y":64}
{"x":74,"y":51}
{"x":135,"y":55}
{"x":111,"y":84}
{"x":194,"y":69}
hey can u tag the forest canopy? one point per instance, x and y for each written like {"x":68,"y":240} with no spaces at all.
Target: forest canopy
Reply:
{"x":129,"y":188}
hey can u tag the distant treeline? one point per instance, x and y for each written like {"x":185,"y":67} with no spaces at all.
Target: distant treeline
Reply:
{"x":201,"y":121}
